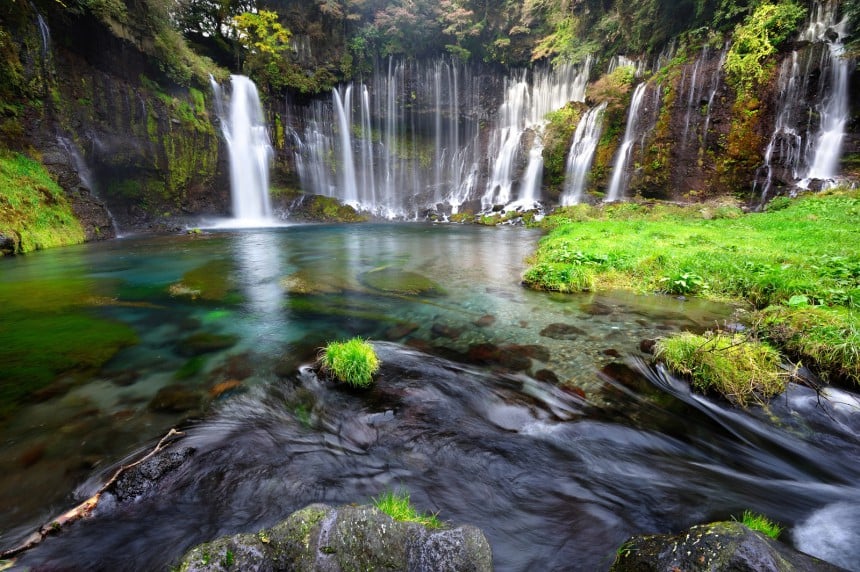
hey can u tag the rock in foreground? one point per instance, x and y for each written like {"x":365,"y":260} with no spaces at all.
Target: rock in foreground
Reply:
{"x":719,"y":546}
{"x":325,"y":539}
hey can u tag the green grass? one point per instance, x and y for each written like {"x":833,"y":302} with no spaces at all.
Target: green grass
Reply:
{"x":33,"y":206}
{"x":741,"y":370}
{"x":353,"y":362}
{"x":828,"y":339}
{"x":398,"y":506}
{"x":810,"y":248}
{"x":761,"y":524}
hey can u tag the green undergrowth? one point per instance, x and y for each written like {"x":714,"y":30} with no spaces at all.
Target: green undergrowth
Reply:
{"x":352,"y":362}
{"x":398,"y":506}
{"x":828,"y":339}
{"x":742,"y":370}
{"x":34,"y":212}
{"x":798,"y":263}
{"x":761,"y":523}
{"x":810,"y":248}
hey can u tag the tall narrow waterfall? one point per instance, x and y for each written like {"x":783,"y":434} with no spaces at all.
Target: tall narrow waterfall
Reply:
{"x":524,"y":111}
{"x":581,"y":154}
{"x":801,"y":149}
{"x":833,"y":109}
{"x":618,"y":183}
{"x":404,"y":142}
{"x":244,"y":129}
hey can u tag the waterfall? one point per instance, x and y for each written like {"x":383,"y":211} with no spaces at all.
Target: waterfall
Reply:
{"x":44,"y":33}
{"x":581,"y":154}
{"x":244,"y":129}
{"x":799,"y":150}
{"x":524,"y":110}
{"x":618,"y":183}
{"x":833,"y":109}
{"x":401,"y":143}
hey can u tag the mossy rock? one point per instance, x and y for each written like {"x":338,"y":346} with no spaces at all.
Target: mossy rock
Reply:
{"x":401,"y":282}
{"x":310,"y":282}
{"x":210,"y":281}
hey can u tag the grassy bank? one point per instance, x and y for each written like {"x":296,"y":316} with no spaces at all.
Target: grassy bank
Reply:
{"x":799,"y":260}
{"x":34,"y":212}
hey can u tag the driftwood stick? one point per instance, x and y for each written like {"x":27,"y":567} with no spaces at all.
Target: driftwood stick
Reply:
{"x":84,"y":509}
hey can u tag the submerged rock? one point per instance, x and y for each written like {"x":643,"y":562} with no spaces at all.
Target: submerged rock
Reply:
{"x":323,"y":538}
{"x":204,"y":342}
{"x":713,"y":547}
{"x":401,"y":282}
{"x":560,"y":331}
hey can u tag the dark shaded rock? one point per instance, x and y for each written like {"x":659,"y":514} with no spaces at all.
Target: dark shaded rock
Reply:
{"x":485,"y":321}
{"x":713,"y":547}
{"x":204,"y":342}
{"x":484,"y":353}
{"x":546,"y":375}
{"x":10,"y":243}
{"x":400,"y":330}
{"x":443,"y":331}
{"x":325,"y":539}
{"x":559,"y":331}
{"x":611,"y":353}
{"x":142,"y":478}
{"x":514,"y":361}
{"x":175,"y":399}
{"x":125,"y":378}
{"x":647,"y":345}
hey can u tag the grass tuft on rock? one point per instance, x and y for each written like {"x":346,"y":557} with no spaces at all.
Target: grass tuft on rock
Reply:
{"x":761,"y":523}
{"x":353,"y":362}
{"x":741,"y":370}
{"x":397,"y":505}
{"x":827,"y":339}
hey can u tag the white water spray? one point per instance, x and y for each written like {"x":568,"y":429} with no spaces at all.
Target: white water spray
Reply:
{"x":250,"y":152}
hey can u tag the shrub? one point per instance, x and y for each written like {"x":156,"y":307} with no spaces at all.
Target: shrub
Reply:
{"x":353,"y":362}
{"x":398,"y":507}
{"x":761,"y":523}
{"x":739,"y":369}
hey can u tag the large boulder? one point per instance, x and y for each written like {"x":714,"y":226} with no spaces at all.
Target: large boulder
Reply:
{"x":321,"y":538}
{"x":719,"y":546}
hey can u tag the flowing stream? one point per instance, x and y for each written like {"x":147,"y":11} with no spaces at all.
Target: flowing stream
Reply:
{"x":527,"y":414}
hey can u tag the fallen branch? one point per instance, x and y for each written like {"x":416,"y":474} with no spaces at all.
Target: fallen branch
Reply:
{"x":84,"y":509}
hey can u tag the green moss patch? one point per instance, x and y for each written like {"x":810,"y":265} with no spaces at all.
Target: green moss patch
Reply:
{"x":33,"y":207}
{"x":828,"y":339}
{"x":741,"y":370}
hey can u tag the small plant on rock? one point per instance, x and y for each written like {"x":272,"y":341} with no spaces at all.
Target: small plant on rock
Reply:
{"x":353,"y":362}
{"x":398,"y":507}
{"x":761,"y":523}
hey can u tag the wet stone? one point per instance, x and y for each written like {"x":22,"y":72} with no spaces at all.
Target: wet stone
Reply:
{"x":402,"y":282}
{"x":485,"y":321}
{"x":204,"y":342}
{"x":547,"y":376}
{"x":445,"y":331}
{"x":597,"y":309}
{"x":175,"y":399}
{"x":611,"y":353}
{"x":560,"y":331}
{"x":533,"y":351}
{"x":647,"y":346}
{"x":400,"y":331}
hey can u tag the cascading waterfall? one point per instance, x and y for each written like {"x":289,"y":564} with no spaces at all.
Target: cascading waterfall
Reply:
{"x":618,"y":183}
{"x":406,"y":143}
{"x":798,"y":150}
{"x":833,"y":109}
{"x":524,"y":110}
{"x":581,"y":154}
{"x":244,"y":129}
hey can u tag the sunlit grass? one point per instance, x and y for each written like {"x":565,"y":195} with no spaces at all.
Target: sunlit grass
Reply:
{"x":353,"y":362}
{"x":397,"y":505}
{"x":761,"y":523}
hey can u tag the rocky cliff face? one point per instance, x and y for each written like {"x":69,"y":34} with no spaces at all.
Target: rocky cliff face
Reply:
{"x":132,"y":150}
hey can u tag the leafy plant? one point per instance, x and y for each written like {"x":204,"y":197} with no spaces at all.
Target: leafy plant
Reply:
{"x":353,"y":362}
{"x":761,"y":523}
{"x":398,"y":506}
{"x":683,"y":283}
